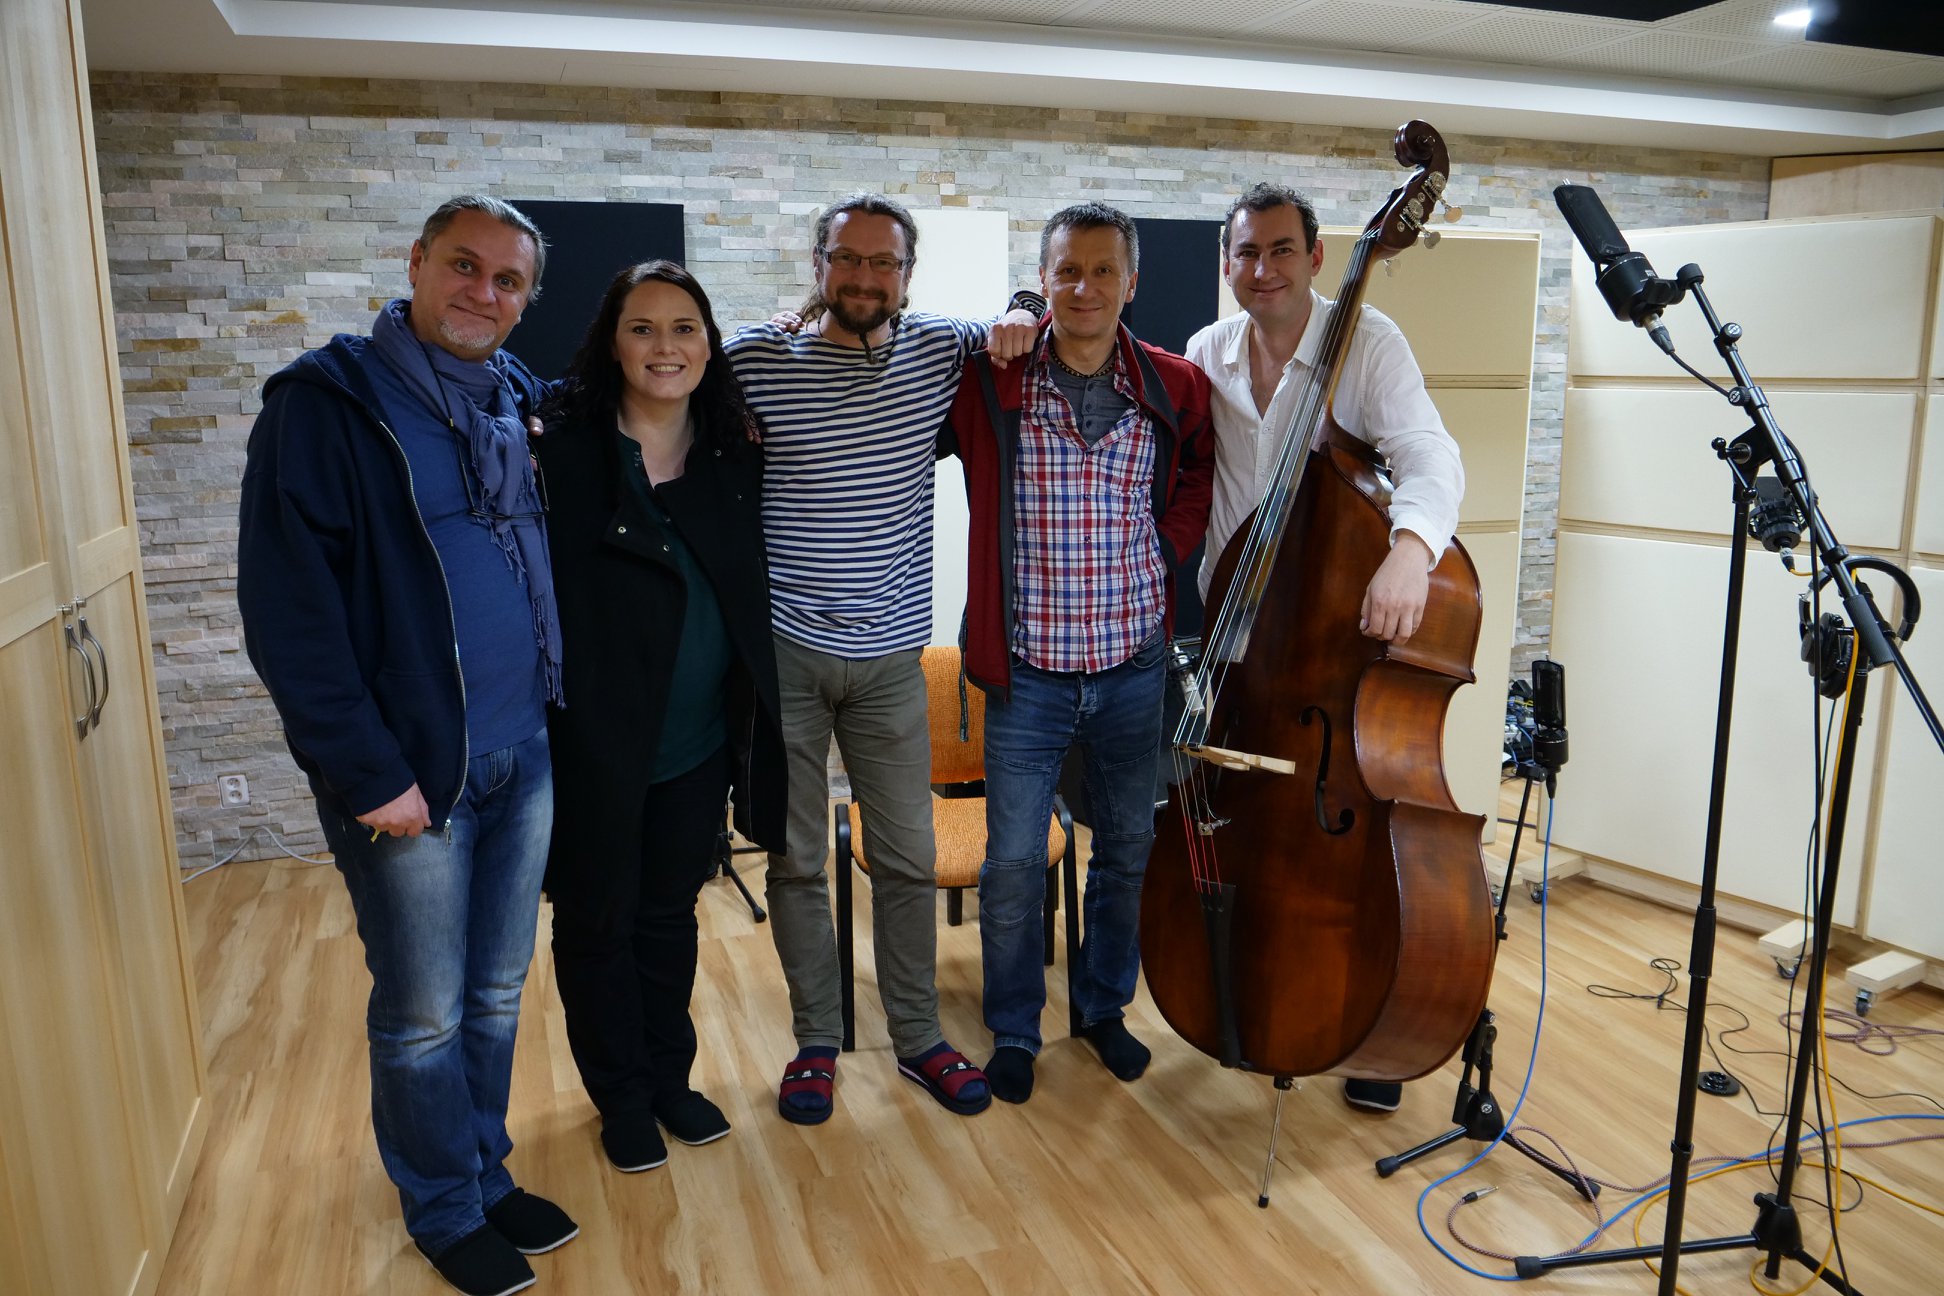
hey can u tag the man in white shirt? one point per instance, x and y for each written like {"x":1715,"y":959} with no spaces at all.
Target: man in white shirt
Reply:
{"x":1258,"y":362}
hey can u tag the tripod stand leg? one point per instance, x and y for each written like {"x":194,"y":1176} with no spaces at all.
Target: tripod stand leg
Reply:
{"x":1390,"y":1165}
{"x":756,"y":912}
{"x":1283,"y":1086}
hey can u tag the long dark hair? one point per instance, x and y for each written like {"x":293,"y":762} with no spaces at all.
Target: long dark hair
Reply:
{"x":592,"y":391}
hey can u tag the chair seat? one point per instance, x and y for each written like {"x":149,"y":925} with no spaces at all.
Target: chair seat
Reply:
{"x":961,"y":829}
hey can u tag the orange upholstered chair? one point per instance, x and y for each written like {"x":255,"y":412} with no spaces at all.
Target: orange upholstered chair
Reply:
{"x":958,"y":816}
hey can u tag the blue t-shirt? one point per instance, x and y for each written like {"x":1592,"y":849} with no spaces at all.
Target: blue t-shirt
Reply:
{"x":492,"y":615}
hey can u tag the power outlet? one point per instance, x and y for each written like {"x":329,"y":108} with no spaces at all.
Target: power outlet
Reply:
{"x":233,"y":790}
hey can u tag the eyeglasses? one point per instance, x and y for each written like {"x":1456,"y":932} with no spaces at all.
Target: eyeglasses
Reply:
{"x":844,"y":259}
{"x":476,"y":503}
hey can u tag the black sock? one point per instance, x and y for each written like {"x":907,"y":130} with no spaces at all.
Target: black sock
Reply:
{"x":1010,"y":1073}
{"x":1124,"y":1055}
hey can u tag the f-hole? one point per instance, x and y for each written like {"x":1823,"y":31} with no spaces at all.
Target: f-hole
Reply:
{"x":1345,"y":818}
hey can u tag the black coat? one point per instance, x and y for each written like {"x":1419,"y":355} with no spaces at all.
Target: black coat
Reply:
{"x":621,"y":601}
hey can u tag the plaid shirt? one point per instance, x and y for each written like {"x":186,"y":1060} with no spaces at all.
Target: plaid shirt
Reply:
{"x":1089,"y":581}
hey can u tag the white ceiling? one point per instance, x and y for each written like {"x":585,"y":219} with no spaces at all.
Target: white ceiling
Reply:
{"x":1724,"y":77}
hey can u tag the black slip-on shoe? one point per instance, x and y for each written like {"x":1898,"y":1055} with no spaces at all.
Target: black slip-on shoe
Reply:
{"x":482,"y":1263}
{"x":532,"y":1224}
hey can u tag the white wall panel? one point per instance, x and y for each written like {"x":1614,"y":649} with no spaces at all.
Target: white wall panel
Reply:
{"x":1640,"y":457}
{"x":1928,"y":533}
{"x":962,"y":270}
{"x":1906,"y":903}
{"x":1637,"y":624}
{"x":1468,"y":304}
{"x":1489,"y":425}
{"x":1474,"y":738}
{"x":1818,"y":299}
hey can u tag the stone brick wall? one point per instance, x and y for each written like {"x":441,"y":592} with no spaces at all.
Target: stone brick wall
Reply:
{"x":250,"y":217}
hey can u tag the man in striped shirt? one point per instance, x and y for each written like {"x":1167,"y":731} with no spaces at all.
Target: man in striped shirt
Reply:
{"x":1088,"y":470}
{"x":850,"y":405}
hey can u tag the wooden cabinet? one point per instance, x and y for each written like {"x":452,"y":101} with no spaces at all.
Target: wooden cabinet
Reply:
{"x":101,"y":1076}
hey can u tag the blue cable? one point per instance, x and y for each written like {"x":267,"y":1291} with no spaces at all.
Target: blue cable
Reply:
{"x":1647,"y":1197}
{"x":1532,"y":1061}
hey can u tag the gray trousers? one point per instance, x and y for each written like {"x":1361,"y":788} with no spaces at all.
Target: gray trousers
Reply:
{"x":876,"y":708}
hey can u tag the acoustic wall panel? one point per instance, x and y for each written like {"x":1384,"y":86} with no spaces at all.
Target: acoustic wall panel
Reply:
{"x":1818,"y":299}
{"x":963,"y":269}
{"x":1489,"y":425}
{"x":1474,"y":737}
{"x":1928,"y":530}
{"x":1906,"y":899}
{"x":1462,"y":302}
{"x":588,"y":243}
{"x":1640,"y":457}
{"x":1638,"y":624}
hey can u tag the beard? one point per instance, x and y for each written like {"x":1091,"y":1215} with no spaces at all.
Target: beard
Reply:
{"x":859,"y":314}
{"x":466,"y":342}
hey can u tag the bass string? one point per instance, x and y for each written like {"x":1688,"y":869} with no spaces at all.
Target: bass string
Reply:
{"x":1262,"y":546}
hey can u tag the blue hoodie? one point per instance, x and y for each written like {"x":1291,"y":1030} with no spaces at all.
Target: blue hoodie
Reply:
{"x":347,"y":615}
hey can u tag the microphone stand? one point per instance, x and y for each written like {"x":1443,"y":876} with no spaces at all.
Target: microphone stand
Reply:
{"x":1776,"y":1230}
{"x":1477,"y":1113}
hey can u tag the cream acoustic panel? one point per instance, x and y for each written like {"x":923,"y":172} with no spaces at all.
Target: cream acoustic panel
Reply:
{"x":1474,"y":737}
{"x":1641,"y":457}
{"x":1906,"y":901}
{"x":1489,"y":425}
{"x":1637,"y":624}
{"x":1817,"y":299}
{"x":963,"y":269}
{"x":1462,"y":302}
{"x":1927,"y":535}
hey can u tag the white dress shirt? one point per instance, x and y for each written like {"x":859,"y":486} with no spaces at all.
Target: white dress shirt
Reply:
{"x":1380,"y":398}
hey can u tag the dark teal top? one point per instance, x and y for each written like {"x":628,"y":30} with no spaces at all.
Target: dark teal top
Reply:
{"x":695,"y":724}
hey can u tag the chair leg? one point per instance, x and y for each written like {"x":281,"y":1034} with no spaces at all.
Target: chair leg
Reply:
{"x":1047,"y":906}
{"x":954,"y":906}
{"x":847,"y":969}
{"x":1070,"y":865}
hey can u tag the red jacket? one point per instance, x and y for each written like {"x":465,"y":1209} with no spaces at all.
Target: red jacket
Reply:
{"x":1184,"y":482}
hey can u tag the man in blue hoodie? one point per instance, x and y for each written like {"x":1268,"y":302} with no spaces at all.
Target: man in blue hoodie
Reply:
{"x":393,"y":578}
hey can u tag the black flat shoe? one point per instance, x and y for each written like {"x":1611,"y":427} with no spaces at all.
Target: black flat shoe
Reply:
{"x":692,"y":1119}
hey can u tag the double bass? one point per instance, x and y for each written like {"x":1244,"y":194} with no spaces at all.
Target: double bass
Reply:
{"x":1323,"y":907}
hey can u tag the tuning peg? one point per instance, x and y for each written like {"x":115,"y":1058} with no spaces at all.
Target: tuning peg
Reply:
{"x":1390,"y":268}
{"x":1452,"y":213}
{"x":1431,"y":238}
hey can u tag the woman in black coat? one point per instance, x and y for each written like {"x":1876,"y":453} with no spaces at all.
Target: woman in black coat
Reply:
{"x":654,"y":489}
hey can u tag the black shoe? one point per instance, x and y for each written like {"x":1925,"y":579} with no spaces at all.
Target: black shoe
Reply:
{"x":692,"y":1119}
{"x":482,"y":1263}
{"x":632,"y":1143}
{"x":1373,"y":1095}
{"x":532,"y":1224}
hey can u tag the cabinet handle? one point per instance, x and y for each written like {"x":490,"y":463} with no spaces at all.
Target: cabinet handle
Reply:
{"x":87,"y":665}
{"x":88,"y":636}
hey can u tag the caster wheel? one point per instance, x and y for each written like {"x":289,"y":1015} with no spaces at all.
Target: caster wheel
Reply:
{"x":1787,"y":969}
{"x":1536,"y":892}
{"x":1498,"y":893}
{"x":1864,"y":999}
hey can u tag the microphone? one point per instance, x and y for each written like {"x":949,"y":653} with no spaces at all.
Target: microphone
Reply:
{"x":1775,"y":520}
{"x":1632,"y":290}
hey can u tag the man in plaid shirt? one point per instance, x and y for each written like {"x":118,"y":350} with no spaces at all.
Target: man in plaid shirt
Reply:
{"x":1088,"y":468}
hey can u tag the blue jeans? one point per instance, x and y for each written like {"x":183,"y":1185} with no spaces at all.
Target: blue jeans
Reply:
{"x":447,"y":920}
{"x":1115,"y":716}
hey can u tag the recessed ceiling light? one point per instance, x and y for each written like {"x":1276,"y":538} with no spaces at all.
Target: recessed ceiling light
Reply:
{"x":1795,"y":18}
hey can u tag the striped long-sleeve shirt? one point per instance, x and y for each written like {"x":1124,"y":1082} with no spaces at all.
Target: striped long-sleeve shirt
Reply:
{"x":847,"y":476}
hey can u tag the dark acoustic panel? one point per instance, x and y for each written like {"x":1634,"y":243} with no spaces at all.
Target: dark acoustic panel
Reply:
{"x":1634,"y":10}
{"x":588,"y":243}
{"x":1181,"y":269}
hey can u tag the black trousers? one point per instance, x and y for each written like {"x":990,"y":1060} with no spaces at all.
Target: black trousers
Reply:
{"x":624,"y":954}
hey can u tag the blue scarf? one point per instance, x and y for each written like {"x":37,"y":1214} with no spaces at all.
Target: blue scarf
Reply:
{"x":486,"y":417}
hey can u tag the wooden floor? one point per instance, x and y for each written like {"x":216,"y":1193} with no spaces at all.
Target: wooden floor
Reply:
{"x":1094,"y":1186}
